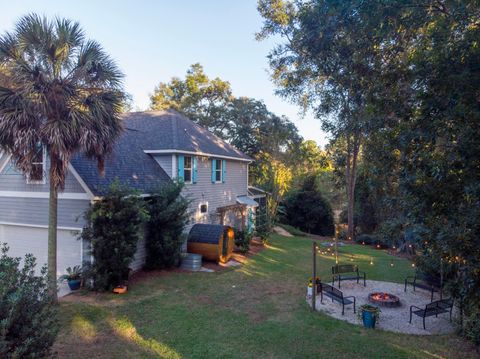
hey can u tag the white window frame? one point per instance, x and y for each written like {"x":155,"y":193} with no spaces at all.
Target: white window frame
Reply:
{"x":185,"y":168}
{"x":43,"y":163}
{"x":200,"y":208}
{"x":218,"y":169}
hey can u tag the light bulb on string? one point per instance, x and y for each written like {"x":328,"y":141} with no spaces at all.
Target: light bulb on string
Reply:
{"x":391,"y":263}
{"x":371,"y":261}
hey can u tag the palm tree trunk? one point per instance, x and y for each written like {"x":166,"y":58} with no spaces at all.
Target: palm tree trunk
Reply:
{"x":52,"y":239}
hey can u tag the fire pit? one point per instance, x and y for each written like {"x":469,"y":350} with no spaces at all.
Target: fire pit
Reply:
{"x":384,"y":299}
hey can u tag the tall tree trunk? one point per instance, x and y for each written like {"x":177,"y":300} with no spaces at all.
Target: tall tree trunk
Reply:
{"x":353,"y":148}
{"x":52,"y":238}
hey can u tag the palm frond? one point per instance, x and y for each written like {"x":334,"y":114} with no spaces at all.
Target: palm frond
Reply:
{"x":57,"y":89}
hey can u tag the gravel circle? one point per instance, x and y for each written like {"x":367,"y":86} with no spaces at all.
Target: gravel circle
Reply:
{"x":393,"y":319}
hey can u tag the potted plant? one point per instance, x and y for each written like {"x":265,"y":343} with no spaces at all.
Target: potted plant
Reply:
{"x":73,"y":277}
{"x":369,"y":315}
{"x":310,"y":285}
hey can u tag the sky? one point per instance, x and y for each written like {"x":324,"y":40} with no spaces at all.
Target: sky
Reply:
{"x":153,"y":41}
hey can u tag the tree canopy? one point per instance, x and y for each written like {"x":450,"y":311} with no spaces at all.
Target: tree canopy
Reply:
{"x":399,"y":79}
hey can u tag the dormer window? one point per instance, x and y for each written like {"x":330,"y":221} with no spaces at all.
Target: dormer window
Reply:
{"x":37,"y":174}
{"x":187,"y":169}
{"x":218,"y":171}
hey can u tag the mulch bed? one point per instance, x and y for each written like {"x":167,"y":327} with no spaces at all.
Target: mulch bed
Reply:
{"x":256,"y":246}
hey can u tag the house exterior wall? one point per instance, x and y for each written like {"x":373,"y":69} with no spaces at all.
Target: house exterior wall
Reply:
{"x":216,"y":194}
{"x":11,"y":179}
{"x":34,"y":211}
{"x":165,"y":161}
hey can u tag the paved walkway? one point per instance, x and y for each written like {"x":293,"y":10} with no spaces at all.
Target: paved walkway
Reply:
{"x":279,"y":230}
{"x":391,"y":319}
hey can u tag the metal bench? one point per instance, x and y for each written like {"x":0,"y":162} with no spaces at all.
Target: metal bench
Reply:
{"x":432,"y":309}
{"x":419,"y":282}
{"x":336,"y":295}
{"x":346,"y":272}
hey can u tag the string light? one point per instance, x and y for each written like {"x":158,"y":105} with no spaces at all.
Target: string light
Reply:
{"x":413,"y":265}
{"x":391,"y":263}
{"x":363,"y":243}
{"x":371,"y":261}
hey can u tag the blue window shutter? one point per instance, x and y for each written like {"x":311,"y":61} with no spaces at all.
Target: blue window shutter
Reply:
{"x":181,"y":164}
{"x":214,"y":169}
{"x":194,"y":164}
{"x":224,"y":170}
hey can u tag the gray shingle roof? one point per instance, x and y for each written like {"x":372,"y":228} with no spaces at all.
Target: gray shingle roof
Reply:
{"x":170,"y":130}
{"x":155,"y":130}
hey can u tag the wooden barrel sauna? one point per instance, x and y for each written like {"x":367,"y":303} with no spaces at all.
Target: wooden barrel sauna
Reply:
{"x":213,"y":241}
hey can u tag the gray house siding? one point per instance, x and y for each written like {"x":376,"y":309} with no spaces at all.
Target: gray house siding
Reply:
{"x":165,"y":161}
{"x":216,"y":194}
{"x":34,"y":211}
{"x":11,"y":179}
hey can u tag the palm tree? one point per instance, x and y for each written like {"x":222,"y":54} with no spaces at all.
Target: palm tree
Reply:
{"x":61,"y":93}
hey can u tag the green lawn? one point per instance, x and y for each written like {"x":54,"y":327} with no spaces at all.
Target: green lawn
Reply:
{"x":255,"y":311}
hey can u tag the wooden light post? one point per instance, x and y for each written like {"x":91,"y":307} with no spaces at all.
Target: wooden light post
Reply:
{"x":314,"y":280}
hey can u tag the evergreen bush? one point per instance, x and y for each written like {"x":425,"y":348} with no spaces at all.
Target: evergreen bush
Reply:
{"x":307,"y":209}
{"x":114,"y":226}
{"x":263,"y":225}
{"x":168,"y":215}
{"x":367,"y":239}
{"x":28,"y":315}
{"x":242,"y":240}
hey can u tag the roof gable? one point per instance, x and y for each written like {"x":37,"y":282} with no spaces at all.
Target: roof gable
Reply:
{"x":167,"y":131}
{"x":172,"y":131}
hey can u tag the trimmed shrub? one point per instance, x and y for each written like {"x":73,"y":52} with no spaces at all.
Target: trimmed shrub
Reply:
{"x":307,"y":210}
{"x":114,"y":226}
{"x":168,"y":212}
{"x":242,"y":240}
{"x":28,"y":315}
{"x":263,"y":225}
{"x":367,"y":239}
{"x":343,"y":235}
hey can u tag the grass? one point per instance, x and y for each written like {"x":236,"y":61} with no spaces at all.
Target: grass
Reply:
{"x":257,"y":310}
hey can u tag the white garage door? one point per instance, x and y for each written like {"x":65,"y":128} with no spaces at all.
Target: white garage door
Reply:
{"x":23,"y":240}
